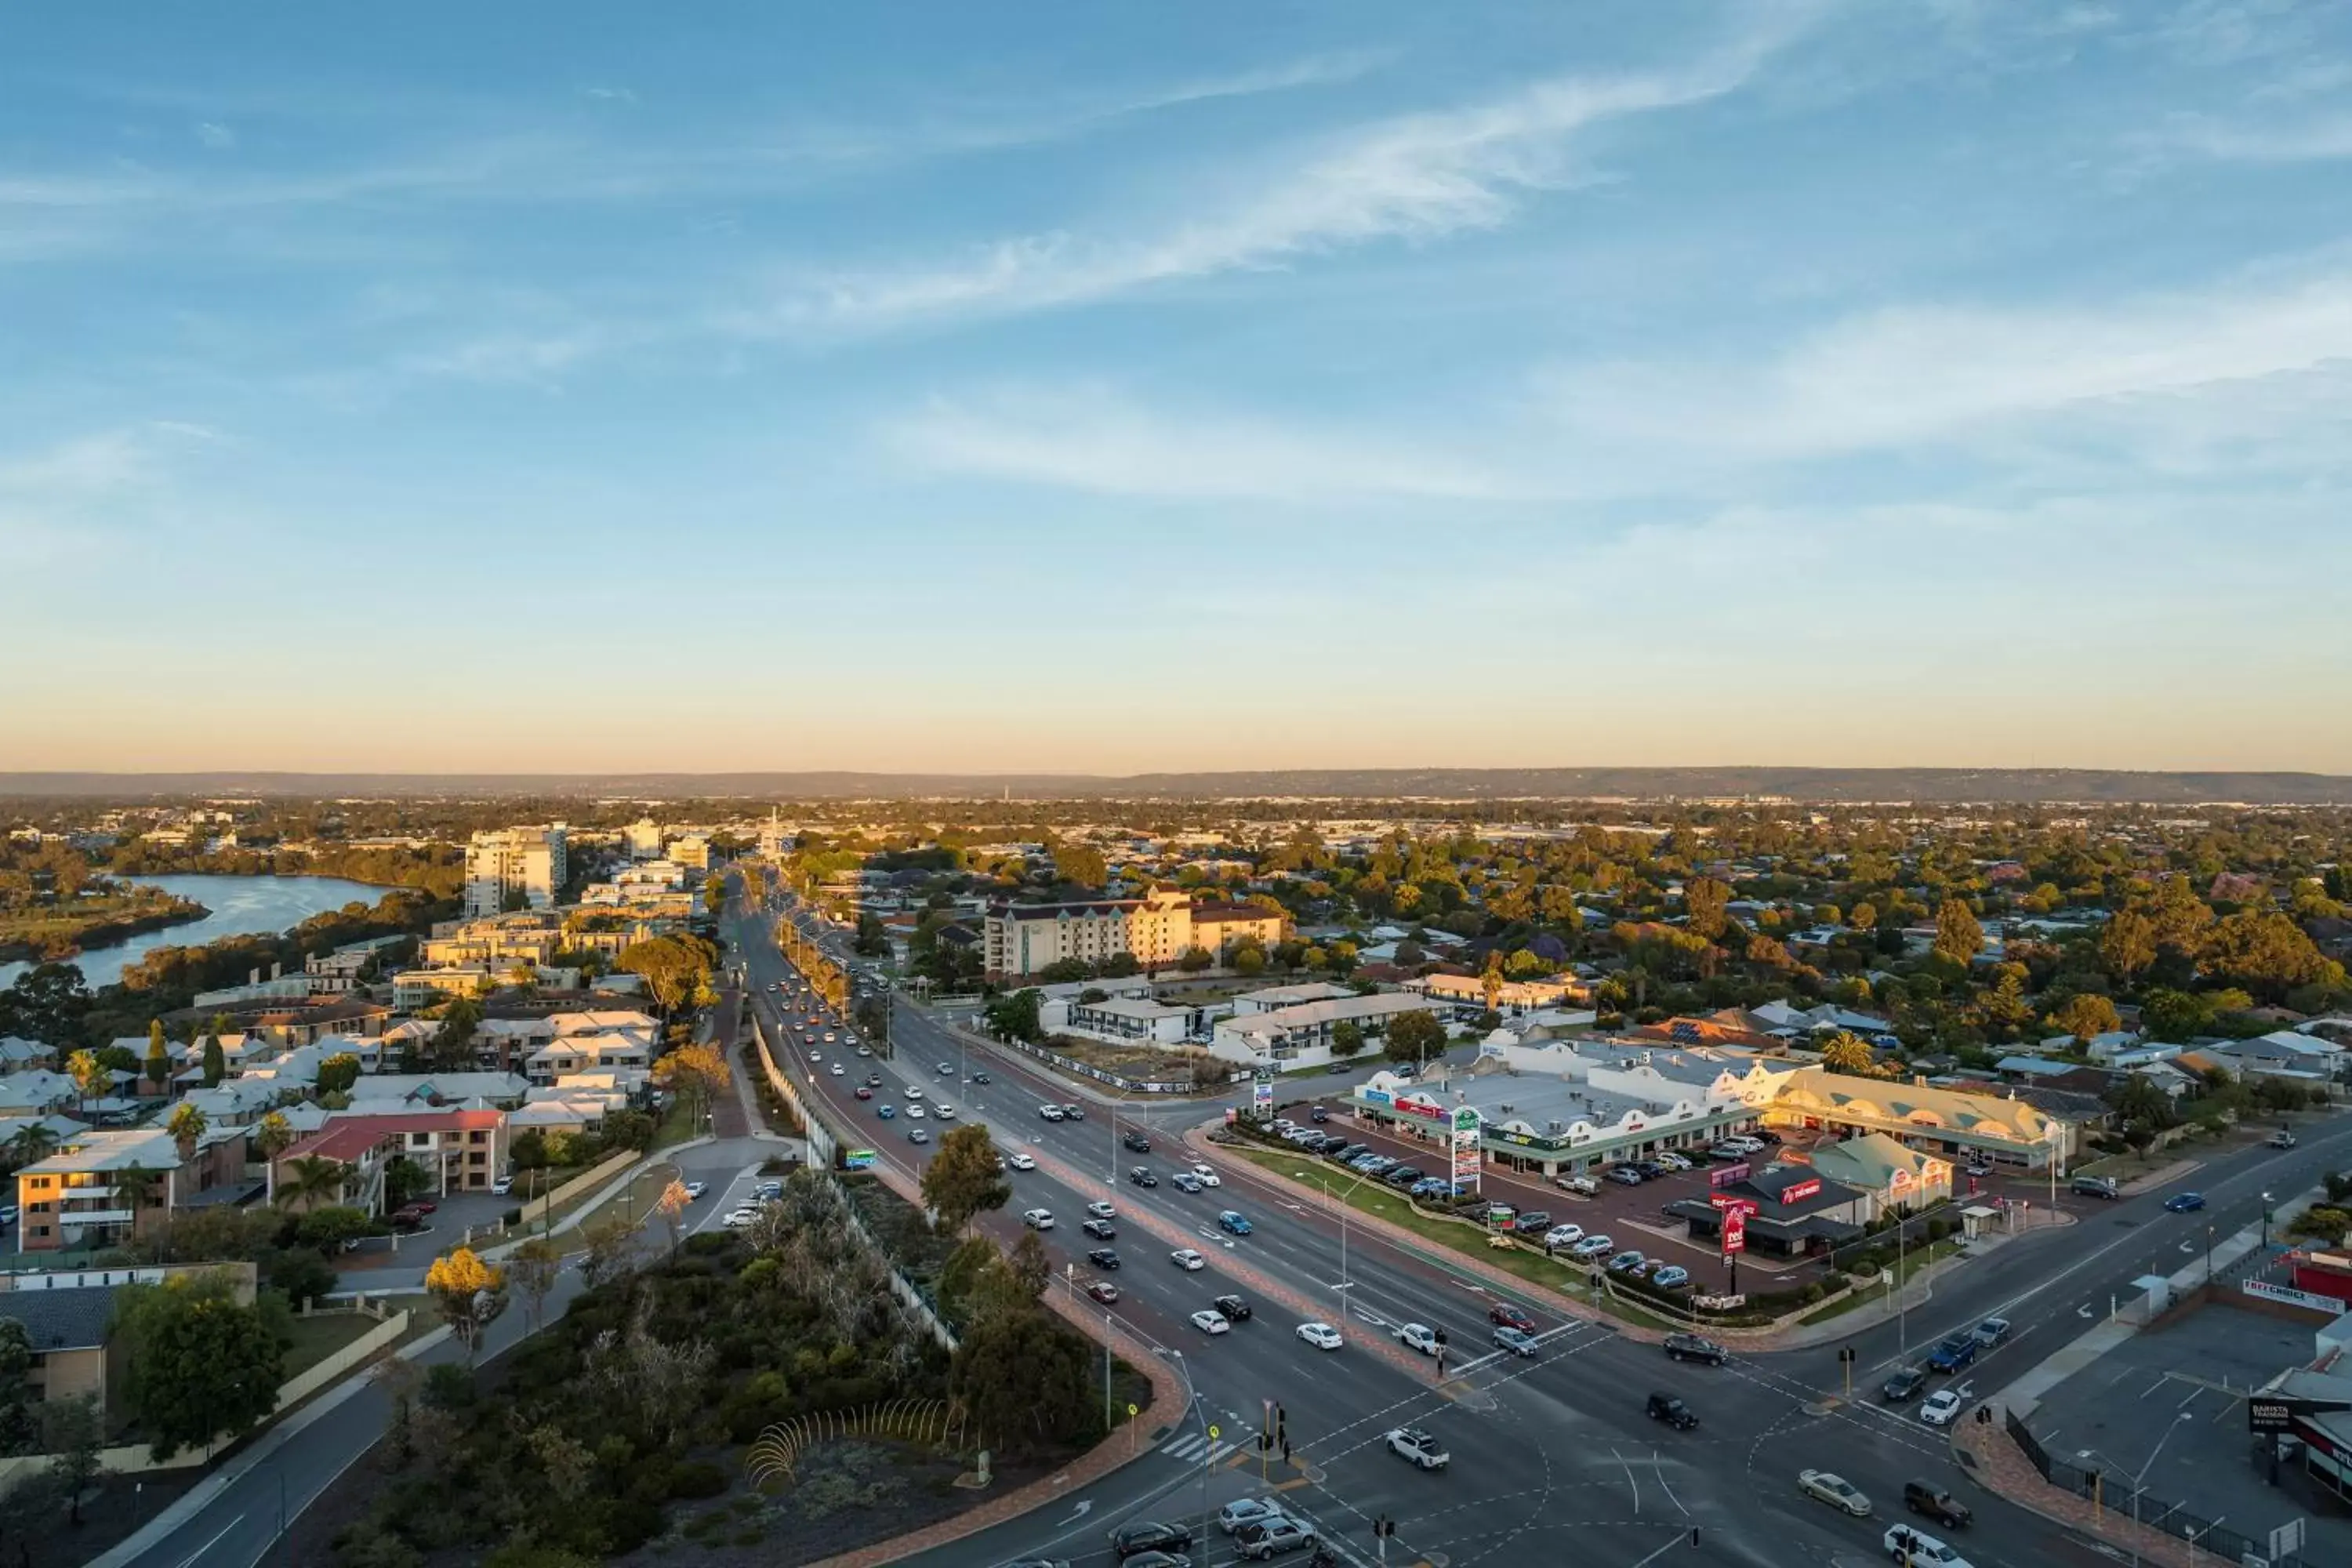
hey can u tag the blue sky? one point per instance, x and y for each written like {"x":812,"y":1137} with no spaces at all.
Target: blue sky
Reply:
{"x":1126,"y":387}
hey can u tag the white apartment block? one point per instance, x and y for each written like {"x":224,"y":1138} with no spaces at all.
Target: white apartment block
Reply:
{"x":529,"y":860}
{"x":1157,"y":929}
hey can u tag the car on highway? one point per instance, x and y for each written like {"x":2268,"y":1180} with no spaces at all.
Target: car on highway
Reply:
{"x":916,"y":1113}
{"x":1128,"y":1540}
{"x":864,"y":1051}
{"x":1694,"y":1347}
{"x":1942,"y":1407}
{"x":1424,"y":1450}
{"x":838,"y":1070}
{"x":1665,"y":1407}
{"x":947,"y":1069}
{"x":1246,"y":1511}
{"x":863,"y":1092}
{"x":1210,"y":1322}
{"x":1592,"y":1246}
{"x":1322,"y":1336}
{"x":1073,"y":1112}
{"x":1100,"y":1229}
{"x":1953,"y":1354}
{"x":1514,"y":1341}
{"x":1020,"y":1162}
{"x":695,"y":1190}
{"x":943,"y":1111}
{"x":913,"y":1091}
{"x":1919,"y":1549}
{"x":1184,"y":1257}
{"x":1235,"y":1309}
{"x":885,"y":1111}
{"x":1137,"y":1142}
{"x":1268,"y":1538}
{"x":1673,"y":1277}
{"x":1233,"y":1223}
{"x":1037,"y":1219}
{"x":1102,"y":1291}
{"x":1102,"y":1210}
{"x":1825,"y":1485}
{"x":2282,"y":1138}
{"x":1904,"y":1386}
{"x":1419,"y":1337}
{"x":1103,"y":1258}
{"x":1206,"y":1176}
{"x":918,"y":1134}
{"x":1142,"y":1177}
{"x":1186,"y":1182}
{"x":2184,"y":1203}
{"x":1511,"y":1317}
{"x":874,"y":1080}
{"x":1050,"y":1112}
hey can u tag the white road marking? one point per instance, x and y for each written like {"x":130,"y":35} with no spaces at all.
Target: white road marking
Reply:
{"x":208,"y":1545}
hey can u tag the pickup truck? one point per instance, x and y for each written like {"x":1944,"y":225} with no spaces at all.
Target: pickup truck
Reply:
{"x":2282,"y":1138}
{"x":1413,"y":1442}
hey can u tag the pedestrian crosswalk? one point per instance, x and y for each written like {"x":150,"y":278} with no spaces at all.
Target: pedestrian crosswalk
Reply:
{"x":1196,"y":1448}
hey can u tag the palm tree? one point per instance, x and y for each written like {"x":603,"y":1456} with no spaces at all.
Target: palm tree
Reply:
{"x":272,"y":1136}
{"x":32,"y":1141}
{"x":138,"y":1186}
{"x":311,"y":1179}
{"x":187,"y":1128}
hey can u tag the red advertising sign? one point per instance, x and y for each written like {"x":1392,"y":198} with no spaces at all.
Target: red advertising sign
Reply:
{"x":1734,"y":1205}
{"x":1735,"y":1231}
{"x":1727,"y":1176}
{"x":1798,"y":1192}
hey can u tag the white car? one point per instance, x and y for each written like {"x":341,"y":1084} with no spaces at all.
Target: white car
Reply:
{"x":1208,"y":1175}
{"x":1050,"y":1112}
{"x":1186,"y":1258}
{"x":1020,"y":1162}
{"x":863,"y":1052}
{"x":695,"y":1190}
{"x":943,"y":1111}
{"x":1322,"y":1336}
{"x":1904,"y":1543}
{"x":1592,"y":1246}
{"x":1038,"y":1219}
{"x":1418,"y":1337}
{"x":1101,"y":1210}
{"x":1942,"y":1408}
{"x":914,"y":1113}
{"x":914,"y":1093}
{"x":838,"y":1070}
{"x":740,"y":1219}
{"x":1564,"y":1235}
{"x":1211,"y":1323}
{"x":502,"y":1186}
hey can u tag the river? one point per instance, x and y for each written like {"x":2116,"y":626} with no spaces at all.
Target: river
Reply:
{"x":240,"y":906}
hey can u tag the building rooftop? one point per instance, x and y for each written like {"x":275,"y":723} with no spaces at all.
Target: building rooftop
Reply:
{"x":145,"y":1148}
{"x":67,"y":1320}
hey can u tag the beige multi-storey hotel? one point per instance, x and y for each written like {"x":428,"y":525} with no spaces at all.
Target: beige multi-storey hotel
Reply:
{"x":1156,"y":930}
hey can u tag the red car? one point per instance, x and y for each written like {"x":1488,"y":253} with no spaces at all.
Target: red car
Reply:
{"x":1510,"y":1317}
{"x":864,"y":1092}
{"x":422,"y":1206}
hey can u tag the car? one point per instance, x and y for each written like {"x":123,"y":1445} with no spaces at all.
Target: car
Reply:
{"x":1267,"y":1538}
{"x":1038,"y":1219}
{"x":1625,"y":1175}
{"x":1514,"y":1341}
{"x":1673,"y":1277}
{"x":1137,"y":1142}
{"x":1102,"y":1291}
{"x":815,"y":1055}
{"x":1100,"y":1209}
{"x":1583,"y":1187}
{"x":1403,"y":1176}
{"x":1233,"y":1223}
{"x":1904,"y":1386}
{"x":695,"y":1190}
{"x":1650,"y":1170}
{"x":1020,"y":1162}
{"x":1592,"y":1246}
{"x":2282,"y":1138}
{"x":1626,"y":1262}
{"x":914,"y":1091}
{"x":1413,"y":1442}
{"x":916,"y":1113}
{"x":838,"y":1070}
{"x":2184,"y":1203}
{"x":1991,"y":1331}
{"x":1142,"y":1177}
{"x":943,"y":1111}
{"x":874,"y":1080}
{"x":1210,"y":1322}
{"x":769,"y":1192}
{"x":1246,"y":1511}
{"x":1186,"y":1182}
{"x":1674,"y":1161}
{"x":1184,"y":1257}
{"x":918,"y":1134}
{"x":1347,"y":1151}
{"x":1318,"y":1116}
{"x":422,"y":1206}
{"x":1916,"y":1550}
{"x":1953,"y":1354}
{"x":1207,"y":1175}
{"x":1073,"y":1112}
{"x":1694,"y":1347}
{"x":1420,"y":1337}
{"x":1938,"y":1503}
{"x":408,"y":1218}
{"x":863,"y":1092}
{"x":501,"y":1187}
{"x":1823,"y":1486}
{"x":1128,"y":1540}
{"x":1103,"y":1258}
{"x":1050,"y":1112}
{"x":1528,"y":1220}
{"x":1322,"y":1336}
{"x":1511,"y":1317}
{"x":1727,"y":1153}
{"x":2096,"y":1187}
{"x":1100,"y":1229}
{"x":864,"y":1051}
{"x":1563,"y":1236}
{"x":1980,"y":1168}
{"x":1665,"y":1407}
{"x":738,"y":1219}
{"x":947,"y":1069}
{"x":1430,"y":1187}
{"x":981,"y":1078}
{"x":1942,"y":1408}
{"x":828,"y":1037}
{"x":1235,"y":1309}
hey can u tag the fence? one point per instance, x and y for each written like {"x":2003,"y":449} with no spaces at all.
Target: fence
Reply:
{"x":588,"y":1182}
{"x":2117,"y":1496}
{"x":822,"y":1143}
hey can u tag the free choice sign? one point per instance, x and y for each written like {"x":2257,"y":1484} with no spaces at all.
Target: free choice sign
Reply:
{"x":1735,"y":1231}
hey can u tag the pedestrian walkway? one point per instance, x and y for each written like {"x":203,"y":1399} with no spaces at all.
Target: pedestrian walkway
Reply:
{"x":1192,"y":1445}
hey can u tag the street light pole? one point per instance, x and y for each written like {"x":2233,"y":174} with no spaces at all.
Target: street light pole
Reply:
{"x":2266,"y":1223}
{"x":2142,"y":1476}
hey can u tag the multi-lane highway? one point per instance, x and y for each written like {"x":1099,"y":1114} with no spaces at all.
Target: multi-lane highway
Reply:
{"x":1548,"y":1453}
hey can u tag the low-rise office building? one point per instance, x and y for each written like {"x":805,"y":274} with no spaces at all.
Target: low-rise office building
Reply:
{"x":1300,"y":1036}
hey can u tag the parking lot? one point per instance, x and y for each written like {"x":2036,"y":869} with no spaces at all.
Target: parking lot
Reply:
{"x":2178,"y":1393}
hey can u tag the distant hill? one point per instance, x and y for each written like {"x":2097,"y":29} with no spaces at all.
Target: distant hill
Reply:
{"x":1829,"y":785}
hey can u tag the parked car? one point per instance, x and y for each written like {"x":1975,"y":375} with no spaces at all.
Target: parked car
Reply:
{"x":1425,"y":1451}
{"x":1833,"y":1490}
{"x":1674,"y":1161}
{"x":1626,"y":1262}
{"x":1514,"y":1341}
{"x":1592,"y":1246}
{"x":1584,"y":1186}
{"x":1234,"y":1309}
{"x":1624,"y":1176}
{"x":1563,"y":1236}
{"x":1526,"y":1222}
{"x":1936,"y":1503}
{"x":695,"y":1190}
{"x":1694,"y":1347}
{"x":1673,"y":1276}
{"x":2096,"y":1187}
{"x":1322,"y":1336}
{"x":1403,"y":1176}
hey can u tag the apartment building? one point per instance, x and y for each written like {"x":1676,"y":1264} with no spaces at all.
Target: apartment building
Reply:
{"x":78,"y":1196}
{"x":461,"y":1151}
{"x":1156,"y":930}
{"x":526,"y":860}
{"x":1300,"y":1036}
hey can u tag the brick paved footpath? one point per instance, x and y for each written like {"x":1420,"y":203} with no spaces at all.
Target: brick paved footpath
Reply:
{"x":1120,"y":1448}
{"x":1993,"y":1458}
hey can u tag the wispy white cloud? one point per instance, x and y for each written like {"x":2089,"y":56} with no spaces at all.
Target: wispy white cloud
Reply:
{"x":623,"y":95}
{"x":2309,"y":140}
{"x":213,"y":134}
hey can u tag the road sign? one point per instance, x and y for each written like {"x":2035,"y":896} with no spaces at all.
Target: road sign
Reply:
{"x":2287,"y":1539}
{"x":1262,"y":1094}
{"x":2269,"y":1412}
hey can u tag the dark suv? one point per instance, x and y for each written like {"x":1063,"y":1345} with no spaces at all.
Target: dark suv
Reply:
{"x":1149,"y":1536}
{"x":1693,"y":1347}
{"x":1665,"y":1407}
{"x":1135,"y":1141}
{"x":1232,"y":1308}
{"x":1928,"y":1497}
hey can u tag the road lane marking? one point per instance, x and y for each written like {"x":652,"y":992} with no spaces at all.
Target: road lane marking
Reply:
{"x":216,"y":1541}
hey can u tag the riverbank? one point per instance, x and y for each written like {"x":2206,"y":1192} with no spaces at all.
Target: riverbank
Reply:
{"x":220,"y":908}
{"x":53,"y":939}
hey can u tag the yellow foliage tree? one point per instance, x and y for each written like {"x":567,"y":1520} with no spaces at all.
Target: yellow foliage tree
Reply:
{"x":456,"y":1282}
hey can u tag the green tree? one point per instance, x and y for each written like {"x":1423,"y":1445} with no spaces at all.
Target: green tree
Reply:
{"x":963,"y":1178}
{"x":187,"y":1127}
{"x":1849,"y":1053}
{"x":532,"y":1269}
{"x":19,"y":1424}
{"x":308,"y":1181}
{"x":2128,"y":946}
{"x":325,"y":1230}
{"x":201,"y":1366}
{"x":1081,"y":864}
{"x":1705,"y":900}
{"x":1249,"y":961}
{"x":2266,"y":953}
{"x":1195,"y":959}
{"x":1347,"y":1038}
{"x":215,"y":1061}
{"x":158,"y":1067}
{"x":1959,"y":937}
{"x":1016,"y":1017}
{"x":2085,"y":1015}
{"x":74,"y":1432}
{"x":2173,"y":1017}
{"x":451,"y":1048}
{"x":1414,"y":1037}
{"x":1024,"y":1382}
{"x":339,"y":1074}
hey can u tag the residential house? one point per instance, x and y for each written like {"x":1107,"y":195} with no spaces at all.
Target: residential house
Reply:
{"x":389,"y":1090}
{"x":1300,"y":1037}
{"x":68,"y":1315}
{"x":16,"y":1054}
{"x":460,"y":1151}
